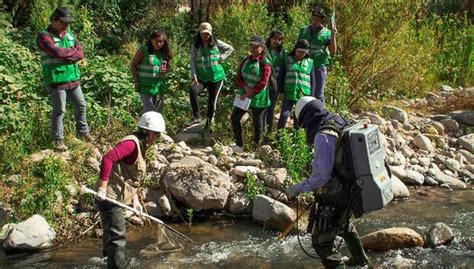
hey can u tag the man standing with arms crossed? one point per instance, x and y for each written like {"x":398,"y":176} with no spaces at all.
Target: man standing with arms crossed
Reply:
{"x":60,"y":56}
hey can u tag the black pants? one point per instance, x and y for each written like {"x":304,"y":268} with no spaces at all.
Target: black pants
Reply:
{"x":213,"y":89}
{"x":258,"y":119}
{"x":113,"y":238}
{"x":269,"y":113}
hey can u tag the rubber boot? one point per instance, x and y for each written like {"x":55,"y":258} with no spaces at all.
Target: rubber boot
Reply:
{"x":113,"y":224}
{"x":359,"y":258}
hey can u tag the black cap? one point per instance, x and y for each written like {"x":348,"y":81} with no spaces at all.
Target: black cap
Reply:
{"x":257,"y":40}
{"x":318,"y":12}
{"x":63,"y":13}
{"x":302,"y":44}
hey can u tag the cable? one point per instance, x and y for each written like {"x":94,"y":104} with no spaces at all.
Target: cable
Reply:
{"x":298,"y":233}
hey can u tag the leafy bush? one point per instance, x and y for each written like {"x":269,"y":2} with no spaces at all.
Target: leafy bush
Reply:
{"x":45,"y":191}
{"x":253,"y":186}
{"x":295,"y":153}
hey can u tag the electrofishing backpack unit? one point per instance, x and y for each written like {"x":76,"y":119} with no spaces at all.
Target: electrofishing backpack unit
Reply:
{"x":361,"y":168}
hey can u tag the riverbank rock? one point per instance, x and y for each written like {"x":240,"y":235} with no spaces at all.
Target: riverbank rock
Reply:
{"x":392,"y":238}
{"x":395,"y":113}
{"x":399,"y":189}
{"x":31,"y":234}
{"x":443,"y":178}
{"x":439,"y":234}
{"x":465,"y":117}
{"x":240,"y":204}
{"x":467,"y":142}
{"x":242,"y":171}
{"x":423,"y":142}
{"x":273,"y":213}
{"x":198,"y":184}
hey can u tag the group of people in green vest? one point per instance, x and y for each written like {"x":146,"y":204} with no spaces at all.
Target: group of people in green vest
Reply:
{"x":267,"y":73}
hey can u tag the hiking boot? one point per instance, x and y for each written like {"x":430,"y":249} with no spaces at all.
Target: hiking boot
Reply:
{"x":237,"y":149}
{"x":59,"y":145}
{"x":357,"y":264}
{"x":86,"y":137}
{"x":194,"y":121}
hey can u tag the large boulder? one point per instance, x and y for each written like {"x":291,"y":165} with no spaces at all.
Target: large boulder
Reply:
{"x":392,"y":238}
{"x":399,"y":189}
{"x":31,"y":234}
{"x":198,"y":184}
{"x":439,"y":234}
{"x":273,"y":213}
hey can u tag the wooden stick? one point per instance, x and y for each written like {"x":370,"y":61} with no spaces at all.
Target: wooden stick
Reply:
{"x":290,"y":227}
{"x":84,"y":189}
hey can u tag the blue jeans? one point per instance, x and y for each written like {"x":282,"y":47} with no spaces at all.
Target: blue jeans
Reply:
{"x":318,"y":89}
{"x":152,"y":102}
{"x":58,"y":101}
{"x":286,"y":109}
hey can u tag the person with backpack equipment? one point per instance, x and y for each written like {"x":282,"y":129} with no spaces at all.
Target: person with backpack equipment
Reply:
{"x":61,"y":56}
{"x":322,"y":43}
{"x":276,"y":54}
{"x":149,"y":67}
{"x":121,"y":173}
{"x":252,"y":77}
{"x":331,"y":216}
{"x":295,"y":79}
{"x":207,"y":54}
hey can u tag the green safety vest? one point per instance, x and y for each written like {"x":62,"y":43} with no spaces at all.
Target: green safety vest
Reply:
{"x":208,"y":68}
{"x":251,"y":73}
{"x":56,"y":71}
{"x":297,"y":78}
{"x":148,"y":73}
{"x":318,"y":48}
{"x":276,"y":58}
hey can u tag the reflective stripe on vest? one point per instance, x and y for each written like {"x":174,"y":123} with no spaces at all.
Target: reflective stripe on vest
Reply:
{"x":151,"y":82}
{"x":207,"y":63}
{"x":56,"y":71}
{"x":252,"y":74}
{"x":297,"y":78}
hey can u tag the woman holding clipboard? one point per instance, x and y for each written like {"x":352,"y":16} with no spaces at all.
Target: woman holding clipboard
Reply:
{"x":252,"y":77}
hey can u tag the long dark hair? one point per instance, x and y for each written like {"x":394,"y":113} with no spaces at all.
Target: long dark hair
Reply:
{"x":273,"y":34}
{"x":198,"y":41}
{"x":165,"y":50}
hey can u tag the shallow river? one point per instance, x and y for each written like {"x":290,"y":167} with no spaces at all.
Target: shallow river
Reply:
{"x":244,"y":244}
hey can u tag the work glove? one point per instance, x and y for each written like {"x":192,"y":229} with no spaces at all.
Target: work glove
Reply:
{"x":291,"y":191}
{"x":101,"y":194}
{"x":136,"y":204}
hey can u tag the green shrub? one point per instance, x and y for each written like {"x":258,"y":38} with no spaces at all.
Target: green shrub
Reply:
{"x":296,"y":154}
{"x":253,"y":186}
{"x":44,"y":192}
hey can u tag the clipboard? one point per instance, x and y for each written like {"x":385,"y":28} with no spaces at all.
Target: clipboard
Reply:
{"x":242,"y":104}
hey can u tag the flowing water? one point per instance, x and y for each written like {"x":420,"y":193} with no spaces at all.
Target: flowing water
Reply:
{"x":244,"y":244}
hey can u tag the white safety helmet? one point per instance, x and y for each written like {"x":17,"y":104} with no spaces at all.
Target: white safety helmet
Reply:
{"x":152,"y":121}
{"x":301,"y":103}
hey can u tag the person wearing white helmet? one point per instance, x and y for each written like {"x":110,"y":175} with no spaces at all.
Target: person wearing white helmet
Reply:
{"x":121,"y":172}
{"x":330,"y":215}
